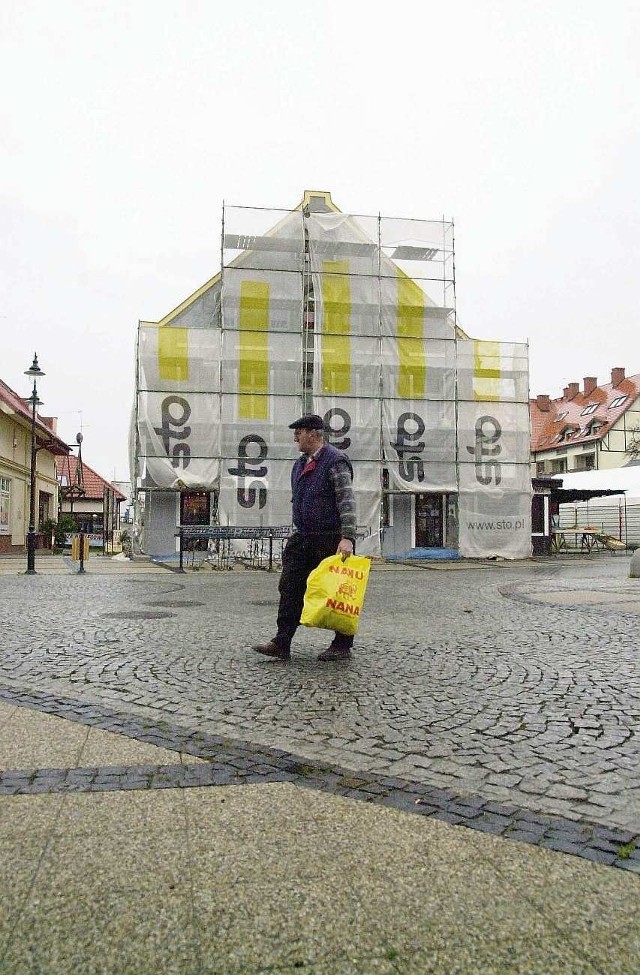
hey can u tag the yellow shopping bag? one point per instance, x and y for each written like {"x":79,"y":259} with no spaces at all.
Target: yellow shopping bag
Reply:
{"x":335,"y":594}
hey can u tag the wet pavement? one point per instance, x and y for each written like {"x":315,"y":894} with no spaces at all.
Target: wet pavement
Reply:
{"x":171,"y":801}
{"x":512,"y":684}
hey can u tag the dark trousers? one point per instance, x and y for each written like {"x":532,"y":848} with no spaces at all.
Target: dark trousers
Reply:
{"x":302,"y":553}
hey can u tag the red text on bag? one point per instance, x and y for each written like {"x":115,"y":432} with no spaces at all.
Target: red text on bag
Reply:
{"x":343,"y":570}
{"x":341,"y":607}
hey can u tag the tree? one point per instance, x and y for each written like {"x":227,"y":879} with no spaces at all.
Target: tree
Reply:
{"x":633,"y":447}
{"x":66,"y":526}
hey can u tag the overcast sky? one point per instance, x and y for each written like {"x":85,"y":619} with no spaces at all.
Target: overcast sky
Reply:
{"x":126,"y":125}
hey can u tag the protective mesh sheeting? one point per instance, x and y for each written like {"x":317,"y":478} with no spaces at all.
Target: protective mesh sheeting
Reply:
{"x":418,"y":355}
{"x":258,"y":239}
{"x":178,"y":359}
{"x":344,"y":258}
{"x":493,"y":450}
{"x":493,"y":371}
{"x":350,"y":317}
{"x":418,"y":411}
{"x":258,"y":300}
{"x":421,"y":251}
{"x":419,"y":444}
{"x":367,"y":489}
{"x":179,"y":440}
{"x":178,"y":407}
{"x":257,"y":456}
{"x":258,"y":364}
{"x":344,"y":238}
{"x":418,"y":366}
{"x":379,"y":334}
{"x":352,"y":424}
{"x":418,"y":389}
{"x":495,"y":525}
{"x":262,"y":314}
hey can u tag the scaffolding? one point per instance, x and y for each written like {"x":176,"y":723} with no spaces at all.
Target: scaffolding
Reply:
{"x":352,"y":317}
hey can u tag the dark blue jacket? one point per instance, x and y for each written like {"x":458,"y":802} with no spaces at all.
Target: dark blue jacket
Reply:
{"x":314,"y":501}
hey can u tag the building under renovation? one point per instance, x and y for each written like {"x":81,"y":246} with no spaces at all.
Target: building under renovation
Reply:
{"x":351,"y":317}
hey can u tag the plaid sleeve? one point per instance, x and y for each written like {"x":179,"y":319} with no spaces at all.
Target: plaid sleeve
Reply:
{"x":345,"y":500}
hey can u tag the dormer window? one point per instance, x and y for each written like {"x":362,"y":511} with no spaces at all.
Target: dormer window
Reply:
{"x":618,"y":401}
{"x":588,"y":410}
{"x":593,"y":427}
{"x":570,"y":430}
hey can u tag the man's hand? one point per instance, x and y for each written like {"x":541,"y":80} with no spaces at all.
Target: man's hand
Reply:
{"x":345,"y":548}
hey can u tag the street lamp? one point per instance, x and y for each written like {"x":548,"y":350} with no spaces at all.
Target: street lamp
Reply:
{"x":35,"y":371}
{"x":75,"y":488}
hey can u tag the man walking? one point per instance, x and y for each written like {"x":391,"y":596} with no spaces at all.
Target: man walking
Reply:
{"x":324,"y":523}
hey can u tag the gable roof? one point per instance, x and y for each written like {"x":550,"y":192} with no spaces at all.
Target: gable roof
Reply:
{"x":13,"y":405}
{"x":313,"y":201}
{"x":570,"y":418}
{"x":317,"y":201}
{"x":94,"y":485}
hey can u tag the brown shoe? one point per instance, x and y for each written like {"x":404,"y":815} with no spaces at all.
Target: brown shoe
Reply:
{"x":335,"y":653}
{"x":272,"y":649}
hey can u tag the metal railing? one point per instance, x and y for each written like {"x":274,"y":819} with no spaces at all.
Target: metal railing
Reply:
{"x":221,"y":553}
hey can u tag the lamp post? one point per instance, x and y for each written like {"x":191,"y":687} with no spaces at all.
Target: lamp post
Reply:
{"x":35,"y":372}
{"x":76,"y":485}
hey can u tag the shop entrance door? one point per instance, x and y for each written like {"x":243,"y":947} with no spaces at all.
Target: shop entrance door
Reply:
{"x":429,"y":521}
{"x":195,"y":509}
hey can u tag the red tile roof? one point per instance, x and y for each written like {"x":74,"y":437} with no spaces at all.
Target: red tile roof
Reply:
{"x":94,"y":485}
{"x":548,"y":426}
{"x":45,"y":435}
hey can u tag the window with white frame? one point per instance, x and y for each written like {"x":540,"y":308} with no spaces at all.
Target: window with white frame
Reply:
{"x":5,"y":504}
{"x":618,"y":401}
{"x":591,"y":408}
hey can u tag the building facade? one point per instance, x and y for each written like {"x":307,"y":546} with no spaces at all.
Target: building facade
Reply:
{"x":586,"y":429}
{"x":587,"y":438}
{"x":15,"y":472}
{"x":92,"y":502}
{"x":351,"y":317}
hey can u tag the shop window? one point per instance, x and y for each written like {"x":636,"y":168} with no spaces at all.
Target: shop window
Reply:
{"x":5,"y":504}
{"x":195,"y":508}
{"x":539,"y":505}
{"x":44,"y":507}
{"x":386,"y":500}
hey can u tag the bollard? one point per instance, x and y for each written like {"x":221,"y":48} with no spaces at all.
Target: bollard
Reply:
{"x":81,"y":546}
{"x":634,"y":568}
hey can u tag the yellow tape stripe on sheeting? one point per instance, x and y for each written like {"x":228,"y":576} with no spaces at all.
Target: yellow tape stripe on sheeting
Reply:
{"x":486,"y":370}
{"x":336,"y":327}
{"x":253,"y":351}
{"x":173,"y":353}
{"x":412,"y":366}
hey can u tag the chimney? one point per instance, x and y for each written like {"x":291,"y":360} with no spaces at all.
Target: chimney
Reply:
{"x":590,"y":383}
{"x":542,"y":402}
{"x":572,"y":390}
{"x":617,"y":375}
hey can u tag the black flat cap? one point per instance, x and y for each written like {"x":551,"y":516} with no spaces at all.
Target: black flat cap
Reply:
{"x":310,"y":421}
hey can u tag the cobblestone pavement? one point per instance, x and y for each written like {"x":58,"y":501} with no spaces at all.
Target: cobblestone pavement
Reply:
{"x":492,"y":696}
